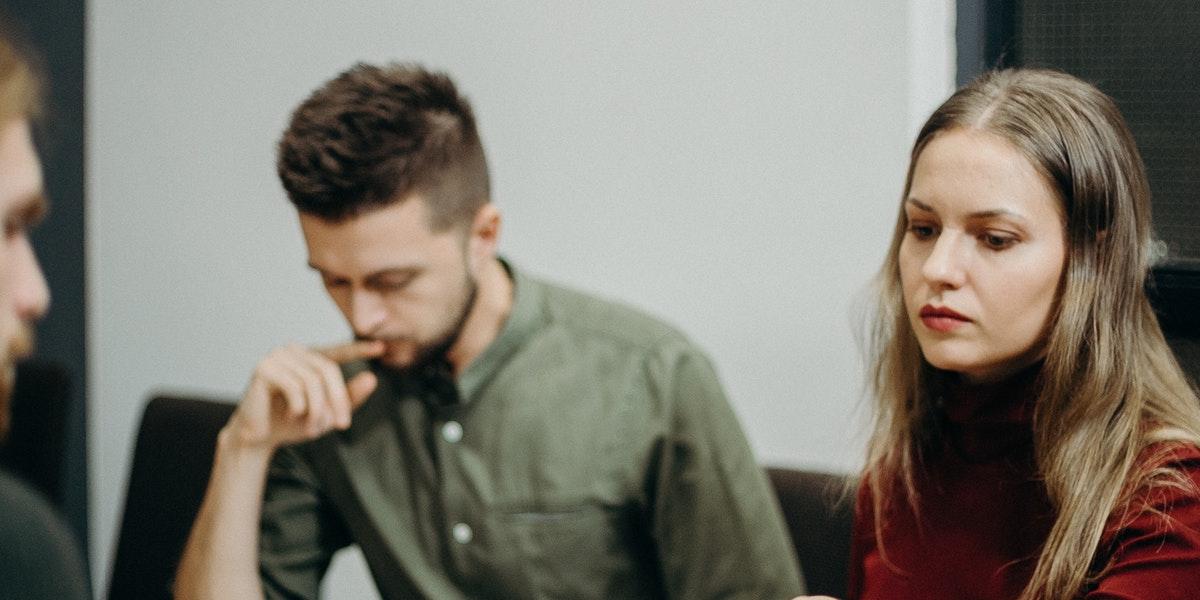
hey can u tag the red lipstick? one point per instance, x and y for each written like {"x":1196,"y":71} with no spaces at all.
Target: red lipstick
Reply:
{"x":941,"y":319}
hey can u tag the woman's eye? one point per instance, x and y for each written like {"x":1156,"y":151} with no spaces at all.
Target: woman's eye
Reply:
{"x":922,"y":230}
{"x":998,"y":242}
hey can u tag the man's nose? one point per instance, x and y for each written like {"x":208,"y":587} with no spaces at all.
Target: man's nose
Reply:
{"x":30,"y":294}
{"x":367,"y":312}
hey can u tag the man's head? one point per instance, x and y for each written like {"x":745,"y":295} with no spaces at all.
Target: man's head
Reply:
{"x":374,"y":136}
{"x":23,"y":294}
{"x":387,"y":171}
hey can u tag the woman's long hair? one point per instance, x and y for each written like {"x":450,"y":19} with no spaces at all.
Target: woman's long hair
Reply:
{"x":1111,"y":390}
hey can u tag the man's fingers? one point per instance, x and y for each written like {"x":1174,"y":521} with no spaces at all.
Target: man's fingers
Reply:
{"x":329,"y":379}
{"x":277,"y":381}
{"x":310,"y":386}
{"x":360,"y":387}
{"x":356,"y":350}
{"x":319,"y":413}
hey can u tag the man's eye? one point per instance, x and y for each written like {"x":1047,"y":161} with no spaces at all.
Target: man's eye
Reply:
{"x":391,"y":286}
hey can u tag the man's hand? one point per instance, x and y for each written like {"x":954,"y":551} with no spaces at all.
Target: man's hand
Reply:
{"x":297,"y":394}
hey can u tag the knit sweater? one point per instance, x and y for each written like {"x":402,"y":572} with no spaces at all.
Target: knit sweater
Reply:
{"x":983,"y":516}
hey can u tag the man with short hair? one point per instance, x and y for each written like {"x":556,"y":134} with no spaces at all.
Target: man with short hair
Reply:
{"x":510,"y":438}
{"x":39,"y":557}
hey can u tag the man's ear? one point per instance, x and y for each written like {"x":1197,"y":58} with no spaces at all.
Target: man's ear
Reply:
{"x":484,"y":234}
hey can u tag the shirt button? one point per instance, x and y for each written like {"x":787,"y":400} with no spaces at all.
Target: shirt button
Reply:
{"x":462,"y":533}
{"x":452,"y":432}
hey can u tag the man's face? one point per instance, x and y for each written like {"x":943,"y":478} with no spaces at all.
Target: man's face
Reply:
{"x":23,"y":294}
{"x":394,"y":279}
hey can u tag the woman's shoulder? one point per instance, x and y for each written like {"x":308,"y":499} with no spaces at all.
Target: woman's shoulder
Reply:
{"x":1152,"y":545}
{"x":1168,"y":481}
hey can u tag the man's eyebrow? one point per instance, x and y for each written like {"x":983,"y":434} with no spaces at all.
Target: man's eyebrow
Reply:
{"x":30,"y":211}
{"x":404,"y":272}
{"x":375,"y":276}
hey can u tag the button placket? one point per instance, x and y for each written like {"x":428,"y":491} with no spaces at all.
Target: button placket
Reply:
{"x":462,"y":533}
{"x":452,"y":432}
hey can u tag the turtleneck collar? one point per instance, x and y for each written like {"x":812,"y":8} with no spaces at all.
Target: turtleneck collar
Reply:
{"x":1010,"y":400}
{"x":990,"y":421}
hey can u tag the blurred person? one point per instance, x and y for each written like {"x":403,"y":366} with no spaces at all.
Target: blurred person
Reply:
{"x":498,"y":436}
{"x":1034,"y":436}
{"x":39,"y":558}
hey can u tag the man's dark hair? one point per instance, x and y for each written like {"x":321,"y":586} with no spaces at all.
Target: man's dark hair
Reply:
{"x":374,"y":135}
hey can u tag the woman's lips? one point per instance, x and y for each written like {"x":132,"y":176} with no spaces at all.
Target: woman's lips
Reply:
{"x":941,"y":319}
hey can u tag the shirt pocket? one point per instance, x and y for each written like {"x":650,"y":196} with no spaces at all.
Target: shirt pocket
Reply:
{"x":577,"y":551}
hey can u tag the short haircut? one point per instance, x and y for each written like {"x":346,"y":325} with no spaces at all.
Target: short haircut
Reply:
{"x":375,"y":135}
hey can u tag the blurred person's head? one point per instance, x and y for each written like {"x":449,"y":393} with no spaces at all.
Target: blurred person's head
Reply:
{"x":387,"y":171}
{"x":1023,"y":241}
{"x":23,"y":294}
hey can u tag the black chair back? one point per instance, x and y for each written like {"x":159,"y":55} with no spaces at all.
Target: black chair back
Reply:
{"x":171,"y":465}
{"x":818,"y":517}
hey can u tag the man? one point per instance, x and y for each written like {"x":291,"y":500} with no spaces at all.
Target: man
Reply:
{"x":509,"y":439}
{"x":39,"y":558}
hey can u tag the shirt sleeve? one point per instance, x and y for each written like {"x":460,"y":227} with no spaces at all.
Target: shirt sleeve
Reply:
{"x":299,"y":531}
{"x":39,"y":557}
{"x":1156,"y":554}
{"x":716,"y":523}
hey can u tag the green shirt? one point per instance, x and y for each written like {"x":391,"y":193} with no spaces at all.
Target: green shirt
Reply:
{"x":39,"y":558}
{"x":588,"y":452}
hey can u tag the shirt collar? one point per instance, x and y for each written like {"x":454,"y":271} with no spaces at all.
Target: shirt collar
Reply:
{"x":522,"y":321}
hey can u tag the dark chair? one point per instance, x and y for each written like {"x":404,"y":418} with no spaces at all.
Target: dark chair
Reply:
{"x":1187,"y":352}
{"x":36,"y":444}
{"x":1175,"y":294}
{"x":171,"y":464}
{"x":173,"y":459}
{"x":818,"y":517}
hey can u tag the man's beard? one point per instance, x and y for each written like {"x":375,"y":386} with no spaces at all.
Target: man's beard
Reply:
{"x":432,"y":356}
{"x":19,"y":346}
{"x":434,"y":353}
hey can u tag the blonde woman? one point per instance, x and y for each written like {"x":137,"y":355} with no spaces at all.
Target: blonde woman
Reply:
{"x":1034,"y":437}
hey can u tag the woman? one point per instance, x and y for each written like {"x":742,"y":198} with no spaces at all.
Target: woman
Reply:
{"x":1034,"y":436}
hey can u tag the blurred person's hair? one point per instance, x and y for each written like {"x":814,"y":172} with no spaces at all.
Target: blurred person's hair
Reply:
{"x":20,"y":79}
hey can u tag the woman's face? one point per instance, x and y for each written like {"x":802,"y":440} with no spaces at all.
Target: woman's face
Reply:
{"x":982,"y":256}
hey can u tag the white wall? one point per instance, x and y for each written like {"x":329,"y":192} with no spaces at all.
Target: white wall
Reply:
{"x":734,"y":169}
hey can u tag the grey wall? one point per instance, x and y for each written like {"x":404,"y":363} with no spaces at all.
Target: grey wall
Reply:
{"x":734,"y":169}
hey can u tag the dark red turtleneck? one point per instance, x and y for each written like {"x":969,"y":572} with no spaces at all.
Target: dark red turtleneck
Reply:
{"x":984,"y":516}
